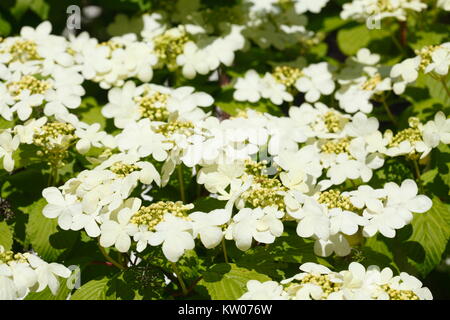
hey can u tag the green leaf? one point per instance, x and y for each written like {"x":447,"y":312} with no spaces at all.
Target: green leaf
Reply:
{"x":46,"y":294}
{"x":350,"y":40}
{"x":437,"y":90}
{"x":376,"y":252}
{"x":432,"y":231}
{"x":426,"y":38}
{"x":6,"y":237}
{"x":5,"y":27}
{"x":228,"y":282}
{"x":41,"y":8}
{"x":92,"y":290}
{"x":141,"y":282}
{"x":20,"y":8}
{"x":44,"y":235}
{"x":90,"y":112}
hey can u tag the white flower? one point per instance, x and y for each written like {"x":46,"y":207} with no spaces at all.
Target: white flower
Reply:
{"x":440,"y":60}
{"x":27,"y":131}
{"x":118,"y":232}
{"x":273,"y":90}
{"x":175,"y":234}
{"x":368,"y":197}
{"x":142,"y":237}
{"x":405,"y":200}
{"x":268,"y":290}
{"x":209,"y":226}
{"x":263,"y":225}
{"x":385,"y":221}
{"x":315,"y":81}
{"x":60,"y":206}
{"x":26,"y":101}
{"x":407,"y":72}
{"x":313,"y":221}
{"x":248,"y":88}
{"x":90,"y":136}
{"x":47,"y":273}
{"x":185,"y":100}
{"x":437,"y":131}
{"x":8,"y":144}
{"x":314,"y":6}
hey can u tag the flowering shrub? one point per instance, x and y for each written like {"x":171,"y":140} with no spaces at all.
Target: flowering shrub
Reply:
{"x":208,"y":150}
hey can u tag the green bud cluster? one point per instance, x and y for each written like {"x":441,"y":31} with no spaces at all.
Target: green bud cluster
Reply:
{"x":181,"y":127}
{"x":286,"y":75}
{"x":334,"y":199}
{"x":256,"y":168}
{"x":324,"y":282}
{"x":23,"y":50}
{"x":333,"y":122}
{"x":9,"y":256}
{"x":265,"y":192}
{"x":399,"y":294}
{"x":411,"y":134}
{"x":385,"y":5}
{"x":425,"y":56}
{"x":31,"y":83}
{"x":337,"y":146}
{"x":54,"y":139}
{"x":371,"y":83}
{"x":168,"y":46}
{"x":122,"y":169}
{"x":112,"y":45}
{"x":153,"y":106}
{"x":154,"y":213}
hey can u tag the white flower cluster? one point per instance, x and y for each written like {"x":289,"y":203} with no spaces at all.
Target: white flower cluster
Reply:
{"x":36,"y":70}
{"x":444,"y":4}
{"x":24,"y":273}
{"x":189,"y":47}
{"x":317,"y":282}
{"x":398,"y":9}
{"x":361,"y":80}
{"x":54,"y":136}
{"x":111,"y":63}
{"x":314,"y":81}
{"x":313,"y":150}
{"x":432,"y":60}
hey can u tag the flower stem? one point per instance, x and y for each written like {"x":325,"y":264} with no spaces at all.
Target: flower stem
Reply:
{"x":180,"y":279}
{"x":388,"y":111}
{"x":181,"y":181}
{"x":403,"y":33}
{"x":444,"y":84}
{"x":107,"y":257}
{"x":224,"y":247}
{"x":417,"y":174}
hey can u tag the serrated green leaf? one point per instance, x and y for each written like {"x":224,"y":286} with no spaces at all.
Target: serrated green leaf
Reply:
{"x":92,"y":290}
{"x":229,"y":282}
{"x":6,"y":237}
{"x":46,"y":294}
{"x":432,"y":231}
{"x":44,"y":235}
